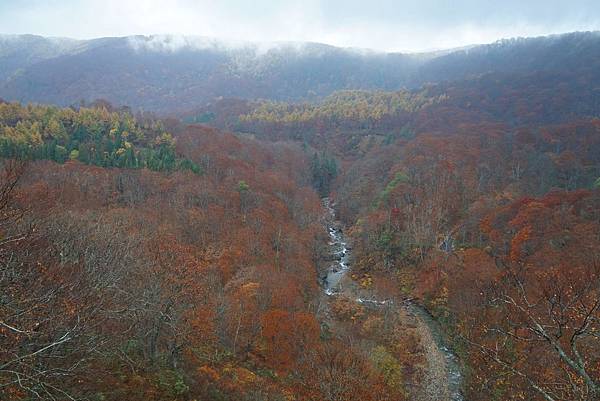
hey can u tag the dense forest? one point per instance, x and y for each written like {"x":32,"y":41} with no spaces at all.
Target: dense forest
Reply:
{"x":173,"y":74}
{"x":182,"y":257}
{"x":90,"y":135}
{"x":480,"y":199}
{"x":120,"y":282}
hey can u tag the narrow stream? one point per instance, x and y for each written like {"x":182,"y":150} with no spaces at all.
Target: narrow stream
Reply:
{"x":332,"y":283}
{"x":340,"y":253}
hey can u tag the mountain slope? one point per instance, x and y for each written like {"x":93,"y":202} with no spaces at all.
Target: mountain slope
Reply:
{"x":170,"y":73}
{"x":578,"y":51}
{"x":158,"y":75}
{"x":18,"y":52}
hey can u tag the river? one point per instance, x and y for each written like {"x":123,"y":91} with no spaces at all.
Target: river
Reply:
{"x":333,"y":283}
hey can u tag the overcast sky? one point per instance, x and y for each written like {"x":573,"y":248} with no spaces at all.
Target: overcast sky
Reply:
{"x":394,"y":25}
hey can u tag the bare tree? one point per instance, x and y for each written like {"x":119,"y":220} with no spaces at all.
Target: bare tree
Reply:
{"x":553,"y":312}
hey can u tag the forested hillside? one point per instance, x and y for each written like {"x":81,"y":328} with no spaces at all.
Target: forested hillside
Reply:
{"x":480,"y":199}
{"x":119,"y":282}
{"x":307,"y":223}
{"x":178,"y":73}
{"x":94,"y":135}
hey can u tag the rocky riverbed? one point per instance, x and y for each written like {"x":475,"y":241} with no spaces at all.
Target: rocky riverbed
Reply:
{"x":443,"y":378}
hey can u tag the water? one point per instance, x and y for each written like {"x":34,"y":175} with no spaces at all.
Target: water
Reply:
{"x":332,"y":282}
{"x":333,"y":285}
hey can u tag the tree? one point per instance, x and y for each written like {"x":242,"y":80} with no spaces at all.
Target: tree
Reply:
{"x":287,"y":337}
{"x":324,"y":170}
{"x":40,"y":325}
{"x":543,"y":314}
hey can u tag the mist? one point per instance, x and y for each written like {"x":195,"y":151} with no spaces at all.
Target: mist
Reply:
{"x":381,"y":24}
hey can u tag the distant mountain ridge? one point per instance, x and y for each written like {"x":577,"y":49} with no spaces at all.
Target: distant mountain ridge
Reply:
{"x":166,"y":73}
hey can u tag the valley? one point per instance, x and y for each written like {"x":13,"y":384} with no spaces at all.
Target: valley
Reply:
{"x":188,"y":219}
{"x":442,"y":378}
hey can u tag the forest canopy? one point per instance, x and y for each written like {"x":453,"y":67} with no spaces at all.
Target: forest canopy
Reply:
{"x":91,"y":135}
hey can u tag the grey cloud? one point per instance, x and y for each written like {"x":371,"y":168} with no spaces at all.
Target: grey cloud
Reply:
{"x":378,"y":24}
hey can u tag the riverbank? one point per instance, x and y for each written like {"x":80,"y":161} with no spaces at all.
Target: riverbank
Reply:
{"x":439,"y":377}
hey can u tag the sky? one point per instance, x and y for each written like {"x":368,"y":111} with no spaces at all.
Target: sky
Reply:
{"x":389,"y":25}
